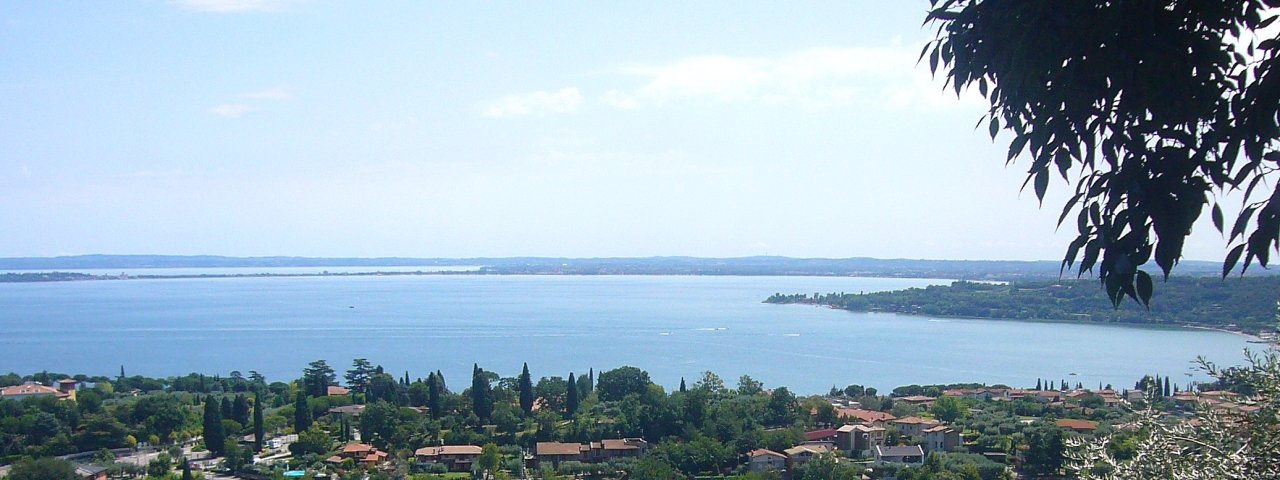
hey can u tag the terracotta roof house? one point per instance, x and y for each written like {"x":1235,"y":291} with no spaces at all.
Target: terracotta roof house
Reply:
{"x":556,"y":452}
{"x":354,"y":449}
{"x":1080,"y":426}
{"x":860,"y":438}
{"x":457,"y":458}
{"x":364,"y":453}
{"x":824,"y":435}
{"x":761,"y":459}
{"x":611,"y":448}
{"x":336,"y":390}
{"x":1016,"y":393}
{"x":374,"y":458}
{"x":804,"y":452}
{"x":918,"y":400}
{"x":909,"y":455}
{"x":940,"y":438}
{"x":865,"y":416}
{"x":65,"y":391}
{"x":913,"y":425}
{"x":1047,"y":396}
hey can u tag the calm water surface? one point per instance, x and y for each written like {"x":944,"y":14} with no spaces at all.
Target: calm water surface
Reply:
{"x":671,"y":326}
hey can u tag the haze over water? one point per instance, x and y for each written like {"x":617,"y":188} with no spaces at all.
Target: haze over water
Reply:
{"x":671,"y":326}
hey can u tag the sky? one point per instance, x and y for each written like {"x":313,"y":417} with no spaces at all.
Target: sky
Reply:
{"x":465,"y":129}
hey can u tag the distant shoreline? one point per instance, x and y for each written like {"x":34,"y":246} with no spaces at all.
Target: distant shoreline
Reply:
{"x":1152,"y":326}
{"x":972,"y":270}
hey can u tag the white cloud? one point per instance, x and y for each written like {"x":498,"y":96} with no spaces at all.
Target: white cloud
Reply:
{"x":277,"y":93}
{"x":231,"y":110}
{"x":232,"y":6}
{"x":542,"y":102}
{"x":812,"y":78}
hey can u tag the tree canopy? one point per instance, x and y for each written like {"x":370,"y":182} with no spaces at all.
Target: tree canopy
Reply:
{"x":1155,"y":110}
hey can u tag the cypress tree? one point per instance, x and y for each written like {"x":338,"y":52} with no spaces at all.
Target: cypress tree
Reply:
{"x":226,"y":409}
{"x":584,"y":388}
{"x":301,"y":413}
{"x":440,"y":379}
{"x":1166,"y":386}
{"x":481,"y":401}
{"x":682,"y":389}
{"x":259,"y":433}
{"x":591,"y":380}
{"x":433,"y":395}
{"x":240,"y":410}
{"x":1038,"y":384}
{"x":186,"y":470}
{"x":571,"y":400}
{"x":214,"y":436}
{"x":526,"y":390}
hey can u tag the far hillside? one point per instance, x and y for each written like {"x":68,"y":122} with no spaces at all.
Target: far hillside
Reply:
{"x":1245,"y":304}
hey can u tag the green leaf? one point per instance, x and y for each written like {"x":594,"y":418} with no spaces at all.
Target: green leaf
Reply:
{"x":1015,"y":147}
{"x":1144,"y":288}
{"x":1232,"y":258}
{"x":1042,"y":184}
{"x":993,"y":126}
{"x":1242,"y":222}
{"x":1217,"y":218}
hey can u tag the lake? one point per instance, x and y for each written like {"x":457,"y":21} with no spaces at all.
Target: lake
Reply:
{"x":671,"y":326}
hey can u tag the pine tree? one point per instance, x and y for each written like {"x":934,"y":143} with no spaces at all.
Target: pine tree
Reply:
{"x":571,"y":398}
{"x":526,"y":390}
{"x":301,"y":413}
{"x":259,"y":432}
{"x":433,"y":395}
{"x":214,"y":436}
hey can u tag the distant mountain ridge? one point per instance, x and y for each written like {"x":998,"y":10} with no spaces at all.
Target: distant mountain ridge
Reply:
{"x":675,"y":265}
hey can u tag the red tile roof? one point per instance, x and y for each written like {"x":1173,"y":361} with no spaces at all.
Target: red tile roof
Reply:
{"x":1077,"y":425}
{"x":759,"y":452}
{"x":358,"y":448}
{"x":865,"y":415}
{"x":819,"y":434}
{"x":557,"y":448}
{"x":28,"y":389}
{"x":448,"y":450}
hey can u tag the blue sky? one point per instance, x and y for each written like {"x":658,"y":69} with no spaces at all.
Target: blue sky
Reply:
{"x":454,"y":129}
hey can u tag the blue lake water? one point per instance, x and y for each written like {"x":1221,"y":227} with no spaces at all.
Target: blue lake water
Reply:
{"x":671,"y":326}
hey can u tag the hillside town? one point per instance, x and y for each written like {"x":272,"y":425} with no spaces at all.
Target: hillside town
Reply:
{"x":615,"y":424}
